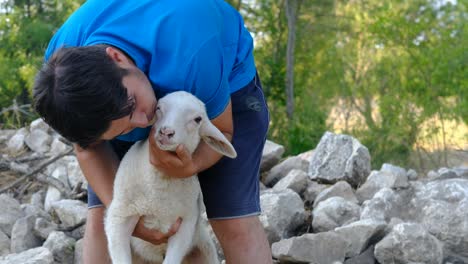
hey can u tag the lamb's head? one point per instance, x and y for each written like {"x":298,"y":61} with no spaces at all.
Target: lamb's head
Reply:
{"x":181,"y":119}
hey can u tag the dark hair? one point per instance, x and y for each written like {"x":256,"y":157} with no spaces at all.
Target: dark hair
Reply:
{"x":79,"y":91}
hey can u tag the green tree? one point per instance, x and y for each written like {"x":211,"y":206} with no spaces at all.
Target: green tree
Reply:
{"x":400,"y":71}
{"x":25,"y":29}
{"x":390,"y":65}
{"x":378,"y":70}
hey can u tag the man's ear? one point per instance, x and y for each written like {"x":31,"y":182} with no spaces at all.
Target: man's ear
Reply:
{"x":118,"y":56}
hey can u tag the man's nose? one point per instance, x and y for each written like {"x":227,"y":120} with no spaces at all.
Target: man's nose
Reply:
{"x":139,"y":119}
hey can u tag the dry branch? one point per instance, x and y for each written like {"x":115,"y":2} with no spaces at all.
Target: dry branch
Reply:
{"x":36,"y":170}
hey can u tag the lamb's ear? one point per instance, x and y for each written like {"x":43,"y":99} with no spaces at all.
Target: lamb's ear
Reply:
{"x":215,"y":139}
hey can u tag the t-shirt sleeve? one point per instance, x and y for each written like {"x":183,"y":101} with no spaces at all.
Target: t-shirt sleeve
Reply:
{"x":207,"y":77}
{"x":66,"y":36}
{"x":52,"y":47}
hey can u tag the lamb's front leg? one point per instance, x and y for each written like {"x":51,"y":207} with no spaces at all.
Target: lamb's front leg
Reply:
{"x":119,"y":232}
{"x":181,"y":242}
{"x":206,"y":245}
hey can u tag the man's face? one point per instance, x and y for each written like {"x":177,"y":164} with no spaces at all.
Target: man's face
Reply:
{"x":140,"y":91}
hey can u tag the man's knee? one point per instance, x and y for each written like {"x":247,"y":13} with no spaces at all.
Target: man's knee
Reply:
{"x":243,"y":240}
{"x":237,"y":227}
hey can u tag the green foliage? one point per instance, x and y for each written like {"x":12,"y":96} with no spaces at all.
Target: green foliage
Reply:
{"x":25,"y":29}
{"x":392,"y":64}
{"x":299,"y":134}
{"x":269,"y":25}
{"x":388,"y":66}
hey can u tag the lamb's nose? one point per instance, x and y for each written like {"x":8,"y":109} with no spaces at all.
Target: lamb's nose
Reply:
{"x":164,"y":131}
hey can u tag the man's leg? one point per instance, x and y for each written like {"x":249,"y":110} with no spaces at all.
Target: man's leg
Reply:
{"x":95,"y":242}
{"x":231,"y":191}
{"x":243,"y":240}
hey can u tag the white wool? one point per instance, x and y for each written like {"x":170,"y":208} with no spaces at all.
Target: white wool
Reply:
{"x":141,"y":190}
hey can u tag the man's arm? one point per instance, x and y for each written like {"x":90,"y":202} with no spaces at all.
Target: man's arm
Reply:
{"x":99,"y":164}
{"x":204,"y":156}
{"x":181,"y":164}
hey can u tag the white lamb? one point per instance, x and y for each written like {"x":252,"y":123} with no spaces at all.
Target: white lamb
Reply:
{"x":141,"y":190}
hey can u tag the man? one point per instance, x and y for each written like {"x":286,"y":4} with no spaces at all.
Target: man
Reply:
{"x":104,"y":69}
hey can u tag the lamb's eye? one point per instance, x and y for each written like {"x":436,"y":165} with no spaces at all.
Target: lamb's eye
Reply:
{"x":197,"y":119}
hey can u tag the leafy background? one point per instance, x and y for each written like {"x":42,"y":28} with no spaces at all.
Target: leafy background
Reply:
{"x":391,"y":73}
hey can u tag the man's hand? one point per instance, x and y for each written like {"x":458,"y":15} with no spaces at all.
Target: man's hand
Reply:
{"x":178,"y":164}
{"x":155,"y":237}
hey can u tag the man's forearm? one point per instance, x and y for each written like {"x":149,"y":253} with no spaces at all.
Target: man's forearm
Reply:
{"x":205,"y":157}
{"x":99,"y":164}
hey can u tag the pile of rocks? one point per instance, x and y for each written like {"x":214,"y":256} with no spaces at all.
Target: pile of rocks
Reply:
{"x":360,"y":216}
{"x":324,"y":206}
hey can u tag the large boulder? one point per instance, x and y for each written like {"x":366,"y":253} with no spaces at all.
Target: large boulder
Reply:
{"x":295,"y":180}
{"x":340,"y":158}
{"x":385,"y":178}
{"x":321,"y":248}
{"x":61,"y":246}
{"x":312,"y":191}
{"x":16,"y":144}
{"x":22,"y":235}
{"x":366,"y":257}
{"x":443,"y":212}
{"x":387,"y":204}
{"x":361,"y":234}
{"x":53,"y":194}
{"x":334,"y":212}
{"x":71,"y":213}
{"x":282,"y":169}
{"x":4,"y":244}
{"x":78,"y":256}
{"x":282,"y":212}
{"x":409,"y":243}
{"x":11,"y":211}
{"x":271,"y":155}
{"x":38,"y":141}
{"x":39,"y":255}
{"x":340,"y":189}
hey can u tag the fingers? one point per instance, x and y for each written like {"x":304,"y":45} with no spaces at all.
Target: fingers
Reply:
{"x":183,"y":154}
{"x":164,"y":159}
{"x":155,"y":237}
{"x":175,"y":164}
{"x":174,"y":227}
{"x":161,"y":157}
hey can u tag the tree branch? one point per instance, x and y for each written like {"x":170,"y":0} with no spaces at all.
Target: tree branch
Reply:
{"x":35,"y":171}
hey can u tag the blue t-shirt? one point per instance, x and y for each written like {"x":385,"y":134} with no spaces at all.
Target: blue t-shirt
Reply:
{"x":200,"y":46}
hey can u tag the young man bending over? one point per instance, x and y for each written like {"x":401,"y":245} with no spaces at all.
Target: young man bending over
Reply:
{"x":104,"y":70}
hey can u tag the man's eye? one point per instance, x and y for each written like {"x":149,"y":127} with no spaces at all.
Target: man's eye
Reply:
{"x":197,"y":119}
